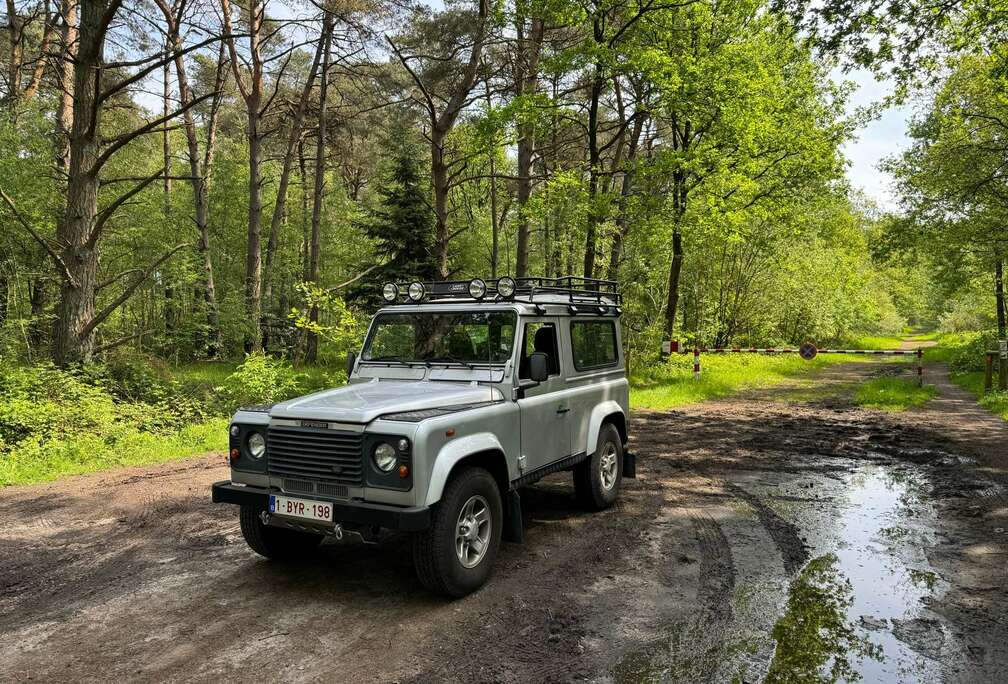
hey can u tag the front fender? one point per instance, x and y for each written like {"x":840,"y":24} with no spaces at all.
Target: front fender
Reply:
{"x":598,"y":415}
{"x":453,"y":452}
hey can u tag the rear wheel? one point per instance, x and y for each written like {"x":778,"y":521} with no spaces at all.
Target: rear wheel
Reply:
{"x":275,"y":543}
{"x":455,"y":556}
{"x":597,"y":479}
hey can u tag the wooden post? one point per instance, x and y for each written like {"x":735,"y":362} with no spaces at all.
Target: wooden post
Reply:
{"x":920,"y":367}
{"x":696,"y":363}
{"x":988,"y":372}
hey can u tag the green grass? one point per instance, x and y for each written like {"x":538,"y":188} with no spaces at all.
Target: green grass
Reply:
{"x":87,"y":453}
{"x":671,"y":384}
{"x":874,"y":342}
{"x":893,"y":394}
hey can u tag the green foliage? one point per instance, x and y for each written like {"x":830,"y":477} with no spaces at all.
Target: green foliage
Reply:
{"x":339,"y":326}
{"x":260,"y":379}
{"x":57,"y":422}
{"x":893,"y":394}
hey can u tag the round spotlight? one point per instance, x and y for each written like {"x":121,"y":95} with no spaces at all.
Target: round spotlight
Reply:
{"x":256,"y":445}
{"x":390,"y":292}
{"x":477,"y":288}
{"x":403,"y":444}
{"x":235,"y":430}
{"x":506,"y":287}
{"x":417,"y":291}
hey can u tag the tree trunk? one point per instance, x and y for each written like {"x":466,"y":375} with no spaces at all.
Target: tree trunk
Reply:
{"x":526,"y":82}
{"x":294,"y":135}
{"x":170,"y":313}
{"x":999,"y":299}
{"x":311,"y":347}
{"x":594,"y":162}
{"x":251,"y":92}
{"x":4,"y":299}
{"x":626,"y":189}
{"x":15,"y":29}
{"x":673,"y":284}
{"x":439,"y":179}
{"x":71,"y":342}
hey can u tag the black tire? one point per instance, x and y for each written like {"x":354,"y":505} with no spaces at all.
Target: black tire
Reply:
{"x":438,"y":566}
{"x":275,"y":543}
{"x":589,"y":487}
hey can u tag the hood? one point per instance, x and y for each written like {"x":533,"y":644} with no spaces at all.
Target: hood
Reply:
{"x":363,"y":402}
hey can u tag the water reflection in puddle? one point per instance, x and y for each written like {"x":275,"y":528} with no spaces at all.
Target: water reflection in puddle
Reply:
{"x":856,"y":610}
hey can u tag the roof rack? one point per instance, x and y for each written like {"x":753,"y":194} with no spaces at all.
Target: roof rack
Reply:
{"x":587,"y":295}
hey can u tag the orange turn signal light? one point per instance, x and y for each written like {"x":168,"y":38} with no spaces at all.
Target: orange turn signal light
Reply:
{"x":235,"y":454}
{"x":403,"y":470}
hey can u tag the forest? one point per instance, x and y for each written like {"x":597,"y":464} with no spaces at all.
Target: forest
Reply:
{"x":190,"y":185}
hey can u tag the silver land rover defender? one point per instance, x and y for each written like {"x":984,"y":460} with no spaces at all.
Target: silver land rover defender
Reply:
{"x":463,"y":392}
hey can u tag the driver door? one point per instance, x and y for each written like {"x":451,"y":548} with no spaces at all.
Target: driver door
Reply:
{"x":545,"y":411}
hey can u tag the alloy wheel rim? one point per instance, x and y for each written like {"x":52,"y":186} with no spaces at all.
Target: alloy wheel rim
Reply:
{"x":472,"y":531}
{"x":608,"y":467}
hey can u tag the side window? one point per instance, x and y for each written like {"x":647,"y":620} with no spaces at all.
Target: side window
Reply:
{"x":593,"y":344}
{"x":539,"y":337}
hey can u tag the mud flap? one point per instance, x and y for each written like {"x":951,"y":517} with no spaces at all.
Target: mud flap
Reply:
{"x":629,"y":465}
{"x":513,"y":529}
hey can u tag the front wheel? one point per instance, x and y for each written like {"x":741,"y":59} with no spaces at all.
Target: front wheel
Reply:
{"x":275,"y":543}
{"x":455,"y":556}
{"x":597,"y":479}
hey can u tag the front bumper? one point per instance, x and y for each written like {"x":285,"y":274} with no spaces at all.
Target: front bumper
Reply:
{"x":358,"y":512}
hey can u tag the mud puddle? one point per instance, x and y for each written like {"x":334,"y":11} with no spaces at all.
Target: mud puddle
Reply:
{"x":855,"y":608}
{"x":858,"y":610}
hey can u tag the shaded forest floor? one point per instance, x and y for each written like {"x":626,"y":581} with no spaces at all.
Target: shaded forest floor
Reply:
{"x":773,"y":535}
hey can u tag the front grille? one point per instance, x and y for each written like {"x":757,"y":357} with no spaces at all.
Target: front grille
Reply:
{"x":301,"y":486}
{"x":338,"y":491}
{"x":328,"y":456}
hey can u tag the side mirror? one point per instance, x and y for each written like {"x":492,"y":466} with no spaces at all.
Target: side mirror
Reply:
{"x":538,"y":367}
{"x":351,"y":361}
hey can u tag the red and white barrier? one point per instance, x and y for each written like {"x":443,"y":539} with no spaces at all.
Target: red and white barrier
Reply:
{"x":808,"y":352}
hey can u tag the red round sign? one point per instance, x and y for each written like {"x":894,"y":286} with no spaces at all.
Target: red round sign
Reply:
{"x":808,"y":351}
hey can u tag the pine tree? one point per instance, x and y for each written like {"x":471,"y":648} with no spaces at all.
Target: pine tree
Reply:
{"x":402,"y":230}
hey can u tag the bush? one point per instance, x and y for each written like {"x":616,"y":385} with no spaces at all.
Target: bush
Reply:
{"x":968,"y":354}
{"x":259,"y":380}
{"x":55,"y":421}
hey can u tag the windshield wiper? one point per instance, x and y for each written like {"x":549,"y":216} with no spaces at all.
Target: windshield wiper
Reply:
{"x":387,"y":359}
{"x":449,"y":359}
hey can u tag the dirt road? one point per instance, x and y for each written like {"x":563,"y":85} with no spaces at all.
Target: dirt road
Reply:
{"x":779,"y":535}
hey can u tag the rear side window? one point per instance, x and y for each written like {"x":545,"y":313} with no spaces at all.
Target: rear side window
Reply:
{"x":593,"y":344}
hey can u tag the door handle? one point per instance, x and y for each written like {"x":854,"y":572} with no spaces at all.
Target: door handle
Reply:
{"x":562,"y":410}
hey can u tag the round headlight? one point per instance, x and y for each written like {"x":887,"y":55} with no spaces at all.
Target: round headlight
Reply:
{"x":477,"y":288}
{"x":384,"y":457}
{"x":256,"y":445}
{"x":506,"y":287}
{"x":235,"y":430}
{"x":390,"y":292}
{"x":416,"y":291}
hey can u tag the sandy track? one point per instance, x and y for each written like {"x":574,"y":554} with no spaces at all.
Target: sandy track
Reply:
{"x":743,"y":510}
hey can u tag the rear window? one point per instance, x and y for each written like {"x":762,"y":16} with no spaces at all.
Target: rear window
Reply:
{"x":593,"y":344}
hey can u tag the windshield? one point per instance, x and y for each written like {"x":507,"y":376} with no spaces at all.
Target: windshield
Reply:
{"x":447,"y":337}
